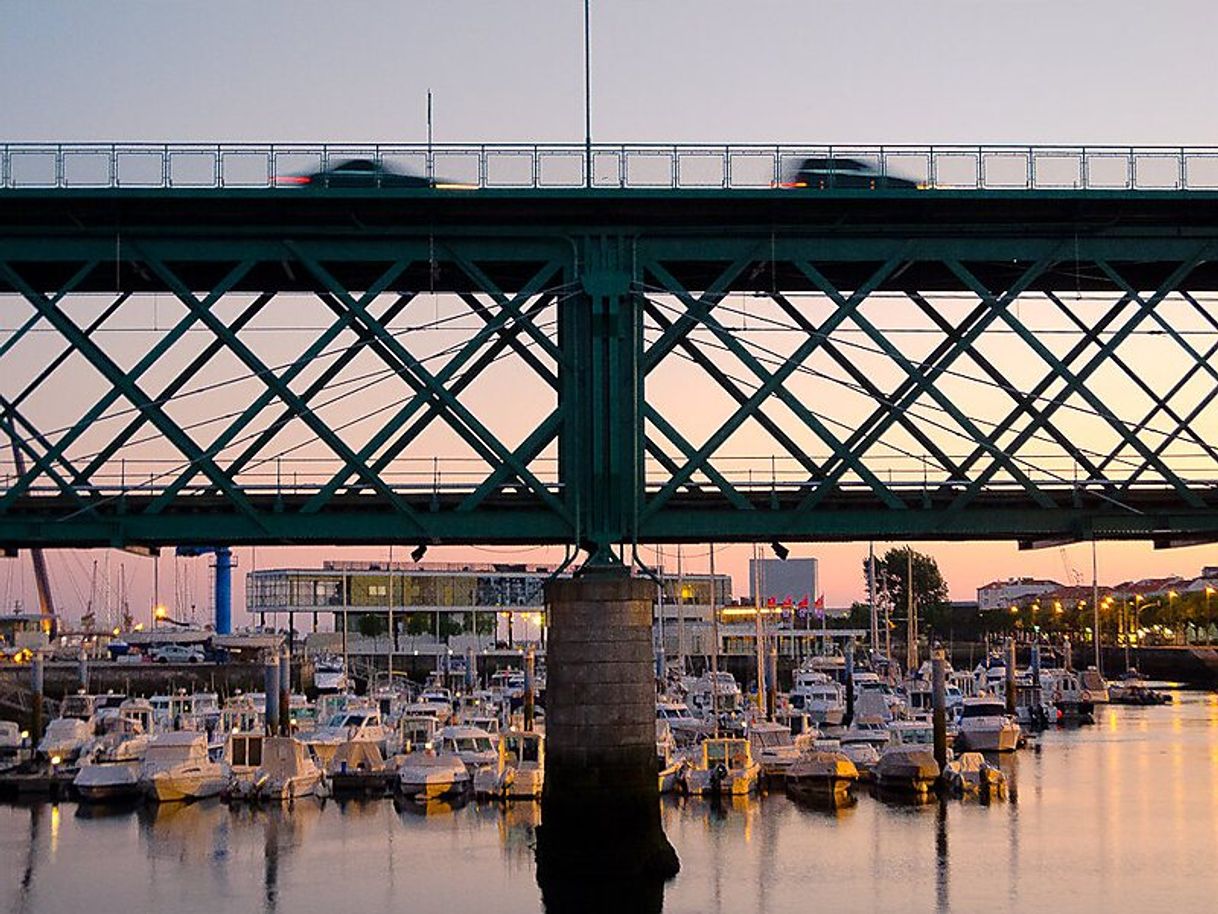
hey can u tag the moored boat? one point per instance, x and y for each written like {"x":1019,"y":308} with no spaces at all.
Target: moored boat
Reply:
{"x":907,"y":769}
{"x":822,"y":778}
{"x":431,"y":775}
{"x":177,"y":767}
{"x":725,"y":767}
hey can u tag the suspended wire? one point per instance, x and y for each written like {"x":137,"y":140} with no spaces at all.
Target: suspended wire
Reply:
{"x":950,"y":372}
{"x":337,"y":350}
{"x":775,"y":359}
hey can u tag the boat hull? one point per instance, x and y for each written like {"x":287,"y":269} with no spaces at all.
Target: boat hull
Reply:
{"x":183,"y":788}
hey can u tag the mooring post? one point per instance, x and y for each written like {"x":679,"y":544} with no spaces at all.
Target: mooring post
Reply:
{"x":1010,"y":681}
{"x":771,"y":682}
{"x":938,"y":665}
{"x":530,"y":666}
{"x":82,"y":669}
{"x":1067,"y":655}
{"x":285,"y":693}
{"x":270,"y":685}
{"x":37,"y":684}
{"x":471,"y":670}
{"x":849,"y":718}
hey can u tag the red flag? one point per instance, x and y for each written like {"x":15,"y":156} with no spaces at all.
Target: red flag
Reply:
{"x":789,"y":601}
{"x":803,"y":604}
{"x":820,"y":602}
{"x":771,"y":603}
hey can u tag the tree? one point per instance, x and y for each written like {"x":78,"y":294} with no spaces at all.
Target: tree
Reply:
{"x":371,"y":625}
{"x":929,"y":588}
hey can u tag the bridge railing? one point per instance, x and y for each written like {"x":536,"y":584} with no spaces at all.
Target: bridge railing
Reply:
{"x":632,"y":166}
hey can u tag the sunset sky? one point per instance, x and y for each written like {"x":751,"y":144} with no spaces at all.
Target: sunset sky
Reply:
{"x":1028,"y":72}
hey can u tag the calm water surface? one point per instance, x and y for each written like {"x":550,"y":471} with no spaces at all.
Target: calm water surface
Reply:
{"x":1121,"y":816}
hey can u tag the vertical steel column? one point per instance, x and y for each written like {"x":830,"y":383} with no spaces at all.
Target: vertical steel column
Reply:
{"x":600,"y":446}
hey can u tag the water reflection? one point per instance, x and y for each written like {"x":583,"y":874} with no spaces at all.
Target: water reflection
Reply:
{"x":1126,"y":818}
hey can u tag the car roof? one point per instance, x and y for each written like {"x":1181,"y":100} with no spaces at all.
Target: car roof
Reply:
{"x":833,"y":163}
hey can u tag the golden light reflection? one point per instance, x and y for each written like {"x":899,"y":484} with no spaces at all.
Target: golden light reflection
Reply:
{"x":55,"y":821}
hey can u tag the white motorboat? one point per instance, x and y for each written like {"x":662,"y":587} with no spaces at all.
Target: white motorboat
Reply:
{"x":820,"y":696}
{"x":870,"y":730}
{"x":986,"y":727}
{"x":1095,"y":685}
{"x":822,"y":777}
{"x":907,"y":769}
{"x":64,"y":738}
{"x":110,"y":768}
{"x":475,"y":747}
{"x":431,"y":775}
{"x":1071,"y":700}
{"x":773,"y":747}
{"x":520,"y":771}
{"x":686,"y":728}
{"x":10,"y":740}
{"x":355,"y":724}
{"x":329,"y":674}
{"x":712,"y":691}
{"x":1133,"y":689}
{"x":177,"y":767}
{"x":911,"y":733}
{"x":725,"y":767}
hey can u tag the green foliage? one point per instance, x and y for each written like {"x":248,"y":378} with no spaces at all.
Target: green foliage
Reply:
{"x":371,"y":625}
{"x":929,"y":589}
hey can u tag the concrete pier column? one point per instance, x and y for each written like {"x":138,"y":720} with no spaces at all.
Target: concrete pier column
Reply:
{"x":600,"y":805}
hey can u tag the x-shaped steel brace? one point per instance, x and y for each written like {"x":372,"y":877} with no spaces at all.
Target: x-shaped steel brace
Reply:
{"x":771,"y":384}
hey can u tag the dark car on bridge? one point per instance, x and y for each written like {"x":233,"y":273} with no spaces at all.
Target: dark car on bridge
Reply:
{"x":843,"y":174}
{"x":366,"y":173}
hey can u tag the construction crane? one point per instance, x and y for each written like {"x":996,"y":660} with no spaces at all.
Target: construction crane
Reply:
{"x":1073,"y":576}
{"x":42,"y":580}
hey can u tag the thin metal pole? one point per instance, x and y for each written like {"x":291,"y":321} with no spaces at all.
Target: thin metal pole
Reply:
{"x":587,"y":95}
{"x":680,"y":612}
{"x":875,"y":619}
{"x":715,"y":647}
{"x":758,"y":634}
{"x":1095,"y":605}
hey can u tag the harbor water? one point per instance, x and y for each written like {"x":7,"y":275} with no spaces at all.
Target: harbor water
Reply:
{"x":1118,"y":816}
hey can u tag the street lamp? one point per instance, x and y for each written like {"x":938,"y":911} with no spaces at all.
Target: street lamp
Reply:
{"x":1171,"y":613}
{"x":1209,"y":592}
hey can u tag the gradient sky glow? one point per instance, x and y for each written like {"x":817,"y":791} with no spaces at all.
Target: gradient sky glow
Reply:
{"x":939,"y":71}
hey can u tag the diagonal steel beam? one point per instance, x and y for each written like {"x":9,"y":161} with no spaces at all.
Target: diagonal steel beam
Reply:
{"x":944,"y":355}
{"x":170,"y":390}
{"x":467,"y":377}
{"x":714,"y":293}
{"x":9,"y":418}
{"x":1076,"y":383}
{"x":322,"y":381}
{"x":733,"y":389}
{"x":730,"y":492}
{"x":512,"y":304}
{"x":771,"y":384}
{"x":1024,"y":403}
{"x":462,"y":421}
{"x":1160,"y":403}
{"x":76,"y":279}
{"x":277,"y":387}
{"x":860,"y":378}
{"x":496,"y":325}
{"x":125,"y":385}
{"x":48,"y":307}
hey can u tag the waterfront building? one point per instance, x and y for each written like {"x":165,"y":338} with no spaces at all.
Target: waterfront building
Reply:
{"x":1013,"y":591}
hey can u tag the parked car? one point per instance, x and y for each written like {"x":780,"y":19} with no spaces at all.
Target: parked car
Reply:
{"x":178,"y":653}
{"x":844,"y":174}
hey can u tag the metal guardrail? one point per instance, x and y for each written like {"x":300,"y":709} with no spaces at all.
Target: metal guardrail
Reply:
{"x":634,"y":166}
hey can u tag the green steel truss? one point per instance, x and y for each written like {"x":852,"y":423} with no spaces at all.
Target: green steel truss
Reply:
{"x":603,"y":368}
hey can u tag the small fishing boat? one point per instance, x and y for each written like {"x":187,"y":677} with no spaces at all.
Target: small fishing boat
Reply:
{"x":971,"y":774}
{"x":985,"y":726}
{"x":520,"y":771}
{"x":1133,"y":689}
{"x":773,"y":747}
{"x":725,"y":767}
{"x":286,"y":771}
{"x":358,"y":767}
{"x":822,"y":778}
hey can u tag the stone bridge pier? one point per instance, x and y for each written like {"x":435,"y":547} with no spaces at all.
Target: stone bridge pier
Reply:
{"x":600,"y":806}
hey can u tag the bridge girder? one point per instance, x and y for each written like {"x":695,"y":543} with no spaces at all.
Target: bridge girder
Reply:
{"x":627,"y":313}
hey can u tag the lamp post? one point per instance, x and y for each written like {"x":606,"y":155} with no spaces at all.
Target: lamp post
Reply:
{"x":1209,"y":592}
{"x":1171,"y":611}
{"x":587,"y":95}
